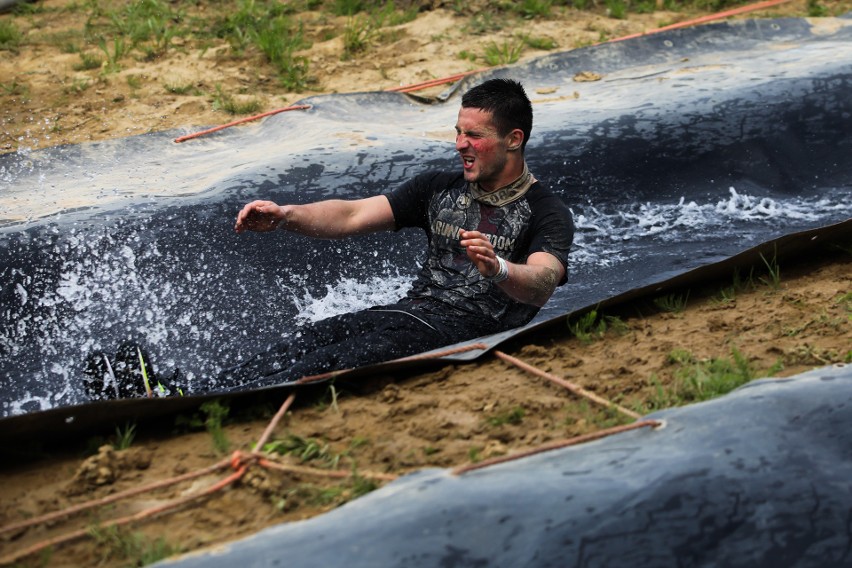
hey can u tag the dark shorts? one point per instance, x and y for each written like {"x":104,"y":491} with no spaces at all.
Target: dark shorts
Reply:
{"x":340,"y":342}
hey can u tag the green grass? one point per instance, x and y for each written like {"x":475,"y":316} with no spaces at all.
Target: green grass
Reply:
{"x":514,"y":417}
{"x":10,"y":35}
{"x":88,"y":61}
{"x":672,"y":303}
{"x":130,"y":548}
{"x":590,"y":326}
{"x":229,"y":104}
{"x":356,"y":36}
{"x":78,"y":85}
{"x":505,"y":53}
{"x":306,"y":449}
{"x":215,"y":414}
{"x":697,"y":380}
{"x":124,"y":436}
{"x":347,"y":7}
{"x":466,"y":55}
{"x":152,"y":22}
{"x":773,"y":276}
{"x":543,"y":43}
{"x":114,"y":53}
{"x":530,"y":9}
{"x":324,"y":496}
{"x":177,"y":88}
{"x":483,"y":23}
{"x":616,"y":9}
{"x":14,"y":89}
{"x":595,"y":415}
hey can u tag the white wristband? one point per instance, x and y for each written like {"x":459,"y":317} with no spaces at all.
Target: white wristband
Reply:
{"x":502,"y":271}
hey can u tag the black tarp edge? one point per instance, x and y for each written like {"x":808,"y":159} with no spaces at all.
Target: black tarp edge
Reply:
{"x":64,"y":422}
{"x":718,"y":483}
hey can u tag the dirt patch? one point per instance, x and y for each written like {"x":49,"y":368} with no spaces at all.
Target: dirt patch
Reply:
{"x":389,"y":425}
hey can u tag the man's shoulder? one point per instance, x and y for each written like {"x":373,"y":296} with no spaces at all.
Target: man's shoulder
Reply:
{"x":427,"y":183}
{"x":440,"y":179}
{"x":538,"y":193}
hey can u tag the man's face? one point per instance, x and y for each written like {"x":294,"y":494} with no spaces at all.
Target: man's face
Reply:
{"x":483,"y":151}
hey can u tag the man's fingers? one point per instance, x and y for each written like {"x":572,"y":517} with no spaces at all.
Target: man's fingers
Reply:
{"x":257,"y":215}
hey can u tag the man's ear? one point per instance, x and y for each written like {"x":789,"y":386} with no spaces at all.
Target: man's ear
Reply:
{"x":516,"y":139}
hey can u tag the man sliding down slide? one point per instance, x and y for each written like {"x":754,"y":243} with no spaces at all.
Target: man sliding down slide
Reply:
{"x":498,"y":244}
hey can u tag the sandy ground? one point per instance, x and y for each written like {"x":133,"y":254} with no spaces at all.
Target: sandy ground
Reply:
{"x":388,"y":425}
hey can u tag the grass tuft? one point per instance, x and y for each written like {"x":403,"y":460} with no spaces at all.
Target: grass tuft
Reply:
{"x":672,"y":303}
{"x":10,"y":35}
{"x":124,"y":436}
{"x":697,"y":380}
{"x":216,"y":412}
{"x":503,"y":54}
{"x":132,"y":549}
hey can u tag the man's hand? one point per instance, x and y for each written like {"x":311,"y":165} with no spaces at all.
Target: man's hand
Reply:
{"x":260,"y":216}
{"x":481,"y":253}
{"x":532,"y":282}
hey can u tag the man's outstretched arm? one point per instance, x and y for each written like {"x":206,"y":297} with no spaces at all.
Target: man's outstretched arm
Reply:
{"x":530,"y":283}
{"x":332,"y":219}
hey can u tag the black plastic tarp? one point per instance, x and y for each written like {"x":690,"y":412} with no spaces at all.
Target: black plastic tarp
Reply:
{"x":758,"y":478}
{"x":694,"y":146}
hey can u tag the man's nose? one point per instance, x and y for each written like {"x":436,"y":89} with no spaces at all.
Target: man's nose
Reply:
{"x":461,"y":141}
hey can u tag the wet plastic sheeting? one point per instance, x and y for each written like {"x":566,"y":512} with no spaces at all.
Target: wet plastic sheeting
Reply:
{"x":758,"y":478}
{"x":694,"y":146}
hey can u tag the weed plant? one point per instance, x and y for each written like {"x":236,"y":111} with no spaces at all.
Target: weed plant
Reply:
{"x":88,"y":61}
{"x":10,"y":35}
{"x":357,"y":36}
{"x":773,"y":276}
{"x":672,"y":303}
{"x":78,"y":85}
{"x":215,"y":414}
{"x":15,"y":89}
{"x":595,"y":416}
{"x":699,"y":380}
{"x":324,"y":496}
{"x":483,"y":23}
{"x":616,"y":9}
{"x":514,"y":417}
{"x":591,"y":326}
{"x":133,"y":549}
{"x":306,"y":449}
{"x":114,"y":55}
{"x":543,"y":43}
{"x":504,"y":54}
{"x":124,"y":436}
{"x":530,"y":9}
{"x":179,"y":88}
{"x":225,"y":102}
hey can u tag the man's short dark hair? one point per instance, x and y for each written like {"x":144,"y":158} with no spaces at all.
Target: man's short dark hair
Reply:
{"x":507,"y":102}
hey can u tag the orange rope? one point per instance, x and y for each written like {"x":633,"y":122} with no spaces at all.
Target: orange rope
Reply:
{"x":273,"y":423}
{"x":556,"y":445}
{"x":445,"y":352}
{"x":576,"y":389}
{"x":112,"y":498}
{"x":709,"y":18}
{"x":422,"y":357}
{"x":147,"y":513}
{"x":435,"y":82}
{"x":180,"y":139}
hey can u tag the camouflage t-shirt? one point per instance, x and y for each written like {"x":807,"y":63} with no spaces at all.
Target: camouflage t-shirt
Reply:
{"x":449,"y":285}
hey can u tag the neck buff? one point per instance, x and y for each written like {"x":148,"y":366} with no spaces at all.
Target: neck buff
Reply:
{"x":506,"y":194}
